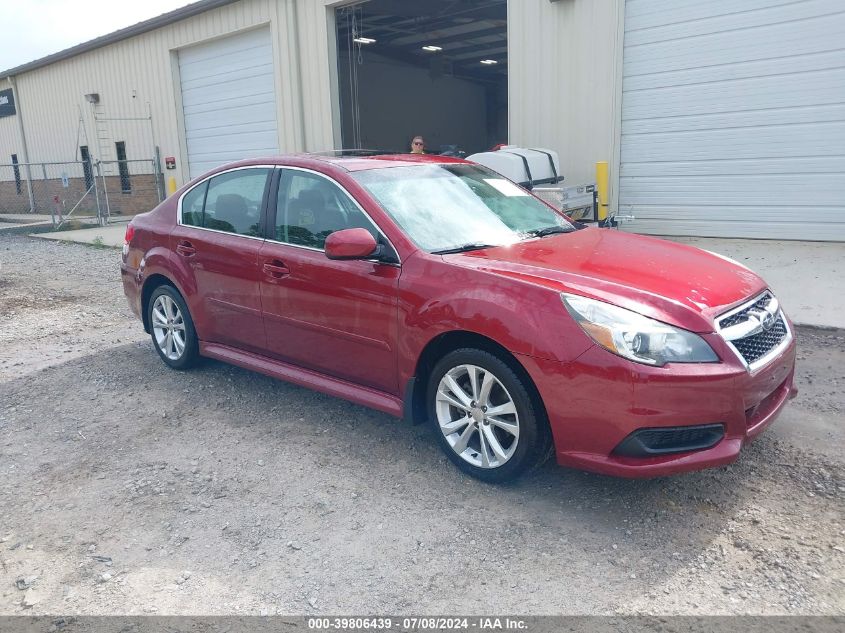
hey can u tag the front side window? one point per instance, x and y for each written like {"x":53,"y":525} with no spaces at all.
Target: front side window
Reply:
{"x":230,"y":202}
{"x":458,"y":207}
{"x":310,"y":208}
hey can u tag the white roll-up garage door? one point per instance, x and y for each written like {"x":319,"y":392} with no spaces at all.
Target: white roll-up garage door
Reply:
{"x":733,"y":118}
{"x":229,"y":100}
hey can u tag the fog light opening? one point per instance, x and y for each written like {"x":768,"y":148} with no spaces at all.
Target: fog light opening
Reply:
{"x":671,"y":439}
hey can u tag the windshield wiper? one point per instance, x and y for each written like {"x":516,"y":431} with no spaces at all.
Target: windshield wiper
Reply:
{"x":549,"y":230}
{"x":471,"y":246}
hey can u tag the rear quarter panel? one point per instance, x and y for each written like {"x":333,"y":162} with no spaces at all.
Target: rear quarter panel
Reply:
{"x":150,"y":254}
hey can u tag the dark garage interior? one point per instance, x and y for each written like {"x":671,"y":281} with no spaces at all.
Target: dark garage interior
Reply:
{"x":436,"y":68}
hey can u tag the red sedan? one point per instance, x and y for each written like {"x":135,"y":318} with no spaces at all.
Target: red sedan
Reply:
{"x":435,"y":290}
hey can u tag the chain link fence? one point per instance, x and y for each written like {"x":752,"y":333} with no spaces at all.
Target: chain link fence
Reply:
{"x":130,"y":187}
{"x":98,"y":192}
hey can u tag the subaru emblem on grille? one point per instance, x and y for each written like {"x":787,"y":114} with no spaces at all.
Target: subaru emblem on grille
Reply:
{"x":765,"y":320}
{"x":768,"y":321}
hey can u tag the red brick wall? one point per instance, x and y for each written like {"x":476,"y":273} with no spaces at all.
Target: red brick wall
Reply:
{"x":143,"y":196}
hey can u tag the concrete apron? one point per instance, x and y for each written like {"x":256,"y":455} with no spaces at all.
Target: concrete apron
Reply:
{"x":807,"y":277}
{"x":111,"y":235}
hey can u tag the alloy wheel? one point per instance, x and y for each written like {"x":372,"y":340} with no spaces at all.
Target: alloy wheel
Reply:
{"x":477,"y":416}
{"x":168,"y":327}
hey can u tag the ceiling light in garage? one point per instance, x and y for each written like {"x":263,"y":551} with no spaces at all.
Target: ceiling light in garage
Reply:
{"x":364,"y":40}
{"x":489,"y":62}
{"x":432,"y":49}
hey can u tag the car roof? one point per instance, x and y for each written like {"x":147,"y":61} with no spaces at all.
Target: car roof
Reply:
{"x":348,"y":163}
{"x":380,"y":161}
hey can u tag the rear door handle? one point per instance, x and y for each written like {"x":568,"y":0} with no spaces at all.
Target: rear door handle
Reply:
{"x":185,"y":248}
{"x":276,"y":269}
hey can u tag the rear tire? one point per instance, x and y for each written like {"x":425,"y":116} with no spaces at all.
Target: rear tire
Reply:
{"x":172,"y":328}
{"x":485,"y":417}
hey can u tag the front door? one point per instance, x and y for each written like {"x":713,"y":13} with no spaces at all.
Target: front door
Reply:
{"x":336,"y":317}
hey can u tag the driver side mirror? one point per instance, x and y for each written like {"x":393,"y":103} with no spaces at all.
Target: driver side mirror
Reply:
{"x":351,"y":244}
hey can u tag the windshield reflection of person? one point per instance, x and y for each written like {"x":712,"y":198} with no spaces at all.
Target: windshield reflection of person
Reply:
{"x":418,"y":145}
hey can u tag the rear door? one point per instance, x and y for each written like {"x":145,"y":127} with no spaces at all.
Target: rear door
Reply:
{"x":219,"y":236}
{"x":336,"y":317}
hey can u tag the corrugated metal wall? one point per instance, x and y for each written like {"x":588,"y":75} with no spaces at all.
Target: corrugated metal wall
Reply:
{"x":561,"y":80}
{"x":143,"y":69}
{"x":9,"y":139}
{"x":566,"y":48}
{"x":734,"y":118}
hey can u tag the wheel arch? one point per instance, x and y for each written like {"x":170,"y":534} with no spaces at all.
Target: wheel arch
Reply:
{"x":150,"y":284}
{"x":439,"y":346}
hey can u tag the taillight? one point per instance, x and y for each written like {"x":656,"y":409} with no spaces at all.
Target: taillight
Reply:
{"x":127,"y":237}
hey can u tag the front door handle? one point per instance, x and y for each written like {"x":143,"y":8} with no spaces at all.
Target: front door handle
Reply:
{"x":185,"y":248}
{"x":276,"y":269}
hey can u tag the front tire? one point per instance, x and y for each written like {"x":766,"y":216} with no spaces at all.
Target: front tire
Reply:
{"x":172,"y":328}
{"x":484,"y":416}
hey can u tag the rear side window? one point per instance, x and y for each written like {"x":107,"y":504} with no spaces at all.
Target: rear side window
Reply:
{"x":233,"y":201}
{"x":230,"y":202}
{"x":192,"y":205}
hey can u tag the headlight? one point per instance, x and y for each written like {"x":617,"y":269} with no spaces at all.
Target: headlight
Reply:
{"x":635,"y":336}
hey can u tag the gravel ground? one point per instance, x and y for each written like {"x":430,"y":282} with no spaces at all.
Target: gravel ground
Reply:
{"x":128,"y":488}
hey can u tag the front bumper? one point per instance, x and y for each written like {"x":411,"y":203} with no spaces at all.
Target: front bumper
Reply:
{"x":596,"y":401}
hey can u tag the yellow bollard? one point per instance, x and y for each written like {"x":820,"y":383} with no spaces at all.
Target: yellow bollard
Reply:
{"x":602,"y":183}
{"x":171,"y":186}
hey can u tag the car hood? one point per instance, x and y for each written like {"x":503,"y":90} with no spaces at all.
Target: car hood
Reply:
{"x":674,"y":283}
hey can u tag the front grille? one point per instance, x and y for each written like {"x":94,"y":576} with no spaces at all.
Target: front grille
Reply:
{"x":740,"y":316}
{"x":754,"y":348}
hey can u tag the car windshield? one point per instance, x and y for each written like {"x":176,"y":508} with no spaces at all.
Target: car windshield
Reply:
{"x":459,"y":207}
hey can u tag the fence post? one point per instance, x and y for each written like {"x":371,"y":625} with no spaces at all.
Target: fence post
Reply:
{"x":96,"y":194}
{"x":158,"y":175}
{"x":104,"y":217}
{"x":46,"y":190}
{"x":28,"y":170}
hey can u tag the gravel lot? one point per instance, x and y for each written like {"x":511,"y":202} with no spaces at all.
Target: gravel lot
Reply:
{"x":128,"y":488}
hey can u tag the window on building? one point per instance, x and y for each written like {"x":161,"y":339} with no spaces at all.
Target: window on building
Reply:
{"x":87,"y":171}
{"x":123,"y":167}
{"x":17,"y":171}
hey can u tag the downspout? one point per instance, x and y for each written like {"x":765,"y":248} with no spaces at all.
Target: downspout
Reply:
{"x":299,"y":84}
{"x":25,"y":151}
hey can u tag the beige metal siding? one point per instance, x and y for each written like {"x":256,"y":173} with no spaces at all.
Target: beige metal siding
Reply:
{"x":129,"y":74}
{"x":562,"y":80}
{"x":9,"y":139}
{"x":317,"y":74}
